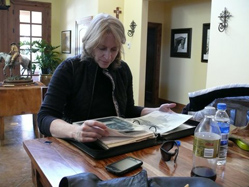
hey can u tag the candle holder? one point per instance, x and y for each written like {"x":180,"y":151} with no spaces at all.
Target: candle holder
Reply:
{"x":132,"y":26}
{"x":224,"y":16}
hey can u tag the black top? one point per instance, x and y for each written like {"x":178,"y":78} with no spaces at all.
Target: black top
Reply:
{"x":79,"y":91}
{"x":102,"y":97}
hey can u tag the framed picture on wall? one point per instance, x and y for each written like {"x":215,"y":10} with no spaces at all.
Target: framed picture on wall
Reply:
{"x":66,"y":41}
{"x":205,"y":42}
{"x":181,"y":43}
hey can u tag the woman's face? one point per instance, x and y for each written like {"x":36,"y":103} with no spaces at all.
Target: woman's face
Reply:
{"x":106,"y":52}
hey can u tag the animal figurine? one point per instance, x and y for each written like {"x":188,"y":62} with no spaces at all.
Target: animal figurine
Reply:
{"x":20,"y":60}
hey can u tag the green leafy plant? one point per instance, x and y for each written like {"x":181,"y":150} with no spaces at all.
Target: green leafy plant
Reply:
{"x":33,"y":68}
{"x":47,"y":58}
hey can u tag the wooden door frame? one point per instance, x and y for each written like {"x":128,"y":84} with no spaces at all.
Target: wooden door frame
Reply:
{"x":157,"y":51}
{"x":45,"y":8}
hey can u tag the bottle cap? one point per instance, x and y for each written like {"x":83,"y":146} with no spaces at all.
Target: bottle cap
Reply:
{"x":178,"y":142}
{"x":209,"y":110}
{"x":221,"y":106}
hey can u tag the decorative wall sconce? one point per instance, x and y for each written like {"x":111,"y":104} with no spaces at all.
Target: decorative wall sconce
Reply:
{"x":5,"y":4}
{"x":224,"y":16}
{"x":132,"y":26}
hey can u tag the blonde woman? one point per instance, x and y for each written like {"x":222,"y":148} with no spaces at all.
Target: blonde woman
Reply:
{"x":92,"y":85}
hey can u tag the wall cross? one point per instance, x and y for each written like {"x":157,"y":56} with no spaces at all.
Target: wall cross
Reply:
{"x":117,"y":12}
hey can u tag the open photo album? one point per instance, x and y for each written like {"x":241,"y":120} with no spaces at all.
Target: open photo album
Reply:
{"x":124,"y":131}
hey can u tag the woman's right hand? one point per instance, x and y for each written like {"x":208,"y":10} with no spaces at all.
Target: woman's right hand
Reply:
{"x":90,"y":131}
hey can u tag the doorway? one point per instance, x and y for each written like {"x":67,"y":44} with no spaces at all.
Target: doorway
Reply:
{"x":153,"y":64}
{"x":25,"y":21}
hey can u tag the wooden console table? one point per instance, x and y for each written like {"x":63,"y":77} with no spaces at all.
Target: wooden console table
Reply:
{"x":17,"y":100}
{"x":52,"y":159}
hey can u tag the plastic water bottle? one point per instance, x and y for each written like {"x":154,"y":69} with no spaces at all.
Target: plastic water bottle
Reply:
{"x":207,"y":138}
{"x":222,"y":119}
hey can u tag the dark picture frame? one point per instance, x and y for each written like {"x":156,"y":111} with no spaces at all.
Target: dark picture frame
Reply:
{"x":66,"y":41}
{"x":205,"y":42}
{"x":181,"y":43}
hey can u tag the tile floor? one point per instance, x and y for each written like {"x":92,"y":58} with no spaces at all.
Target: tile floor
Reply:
{"x":15,"y":168}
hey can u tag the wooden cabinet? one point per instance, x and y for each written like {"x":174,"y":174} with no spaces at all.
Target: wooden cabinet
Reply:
{"x":19,"y":100}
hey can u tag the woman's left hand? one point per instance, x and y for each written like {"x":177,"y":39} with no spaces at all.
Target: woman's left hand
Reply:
{"x":163,"y":108}
{"x":167,"y":107}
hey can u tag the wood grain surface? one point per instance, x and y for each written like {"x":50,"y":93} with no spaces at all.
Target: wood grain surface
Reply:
{"x":52,"y":161}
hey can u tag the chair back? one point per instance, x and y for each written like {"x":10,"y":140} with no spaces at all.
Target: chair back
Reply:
{"x":237,"y":109}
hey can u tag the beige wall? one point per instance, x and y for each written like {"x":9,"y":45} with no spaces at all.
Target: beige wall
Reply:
{"x":72,"y":11}
{"x":135,"y":56}
{"x":228,"y":59}
{"x":64,"y":15}
{"x":108,"y":6}
{"x":179,"y":76}
{"x":75,"y":10}
{"x":131,"y":10}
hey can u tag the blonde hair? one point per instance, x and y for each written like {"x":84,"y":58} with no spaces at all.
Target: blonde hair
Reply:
{"x":103,"y":24}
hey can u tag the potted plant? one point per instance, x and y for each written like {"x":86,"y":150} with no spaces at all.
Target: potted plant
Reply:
{"x":47,"y":59}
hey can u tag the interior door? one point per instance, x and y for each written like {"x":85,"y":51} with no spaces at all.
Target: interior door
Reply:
{"x":153,"y":64}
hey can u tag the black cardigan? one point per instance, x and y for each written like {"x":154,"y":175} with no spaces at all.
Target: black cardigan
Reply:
{"x":71,"y":90}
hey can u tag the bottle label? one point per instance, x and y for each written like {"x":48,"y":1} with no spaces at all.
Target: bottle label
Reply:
{"x":224,"y":129}
{"x":223,"y":152}
{"x":224,"y":139}
{"x":206,"y":148}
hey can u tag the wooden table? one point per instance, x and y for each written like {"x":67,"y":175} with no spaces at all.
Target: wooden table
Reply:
{"x":50,"y":162}
{"x":17,"y":100}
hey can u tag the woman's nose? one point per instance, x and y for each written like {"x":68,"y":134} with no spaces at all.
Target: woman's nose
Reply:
{"x":108,"y":54}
